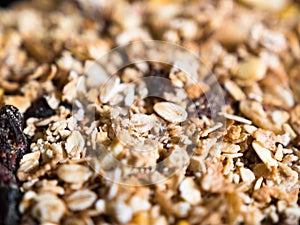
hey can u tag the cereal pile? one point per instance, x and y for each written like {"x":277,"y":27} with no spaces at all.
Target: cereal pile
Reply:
{"x":238,"y":155}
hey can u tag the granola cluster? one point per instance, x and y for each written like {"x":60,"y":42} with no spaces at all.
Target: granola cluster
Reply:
{"x":220,"y":159}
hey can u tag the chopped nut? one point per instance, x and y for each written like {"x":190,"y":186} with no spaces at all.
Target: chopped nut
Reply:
{"x":247,"y":175}
{"x":258,"y":183}
{"x":253,"y":69}
{"x":265,"y":155}
{"x":265,"y":138}
{"x":141,"y":122}
{"x":279,"y":153}
{"x":254,"y":110}
{"x":28,"y":163}
{"x":234,"y":90}
{"x":74,"y":144}
{"x":189,"y":191}
{"x":109,"y":89}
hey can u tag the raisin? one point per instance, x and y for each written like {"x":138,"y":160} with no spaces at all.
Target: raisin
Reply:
{"x":13,"y":142}
{"x":13,"y":145}
{"x":6,"y":176}
{"x":207,"y":105}
{"x":39,"y":109}
{"x":9,"y":197}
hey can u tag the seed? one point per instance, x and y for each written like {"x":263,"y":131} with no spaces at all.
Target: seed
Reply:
{"x":253,"y":69}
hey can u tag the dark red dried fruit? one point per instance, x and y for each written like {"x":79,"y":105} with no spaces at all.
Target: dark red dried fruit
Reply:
{"x":9,"y":197}
{"x":39,"y":109}
{"x":6,"y":176}
{"x":208,"y":104}
{"x":13,"y":145}
{"x":13,"y":142}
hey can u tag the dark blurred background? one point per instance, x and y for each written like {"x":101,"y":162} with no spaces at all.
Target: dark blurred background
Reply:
{"x":5,"y":3}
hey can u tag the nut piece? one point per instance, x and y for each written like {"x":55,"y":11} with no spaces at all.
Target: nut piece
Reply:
{"x":234,"y":90}
{"x":265,"y":137}
{"x":170,"y":112}
{"x":74,"y":173}
{"x":28,"y":163}
{"x":142,"y":122}
{"x":74,"y":144}
{"x":265,"y":155}
{"x":109,"y":90}
{"x":190,"y":192}
{"x":247,"y":175}
{"x":253,"y":69}
{"x":81,"y":200}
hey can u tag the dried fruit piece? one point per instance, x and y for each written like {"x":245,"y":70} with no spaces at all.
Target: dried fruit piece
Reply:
{"x":13,"y":143}
{"x":9,"y":198}
{"x":170,"y":112}
{"x":40,"y":109}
